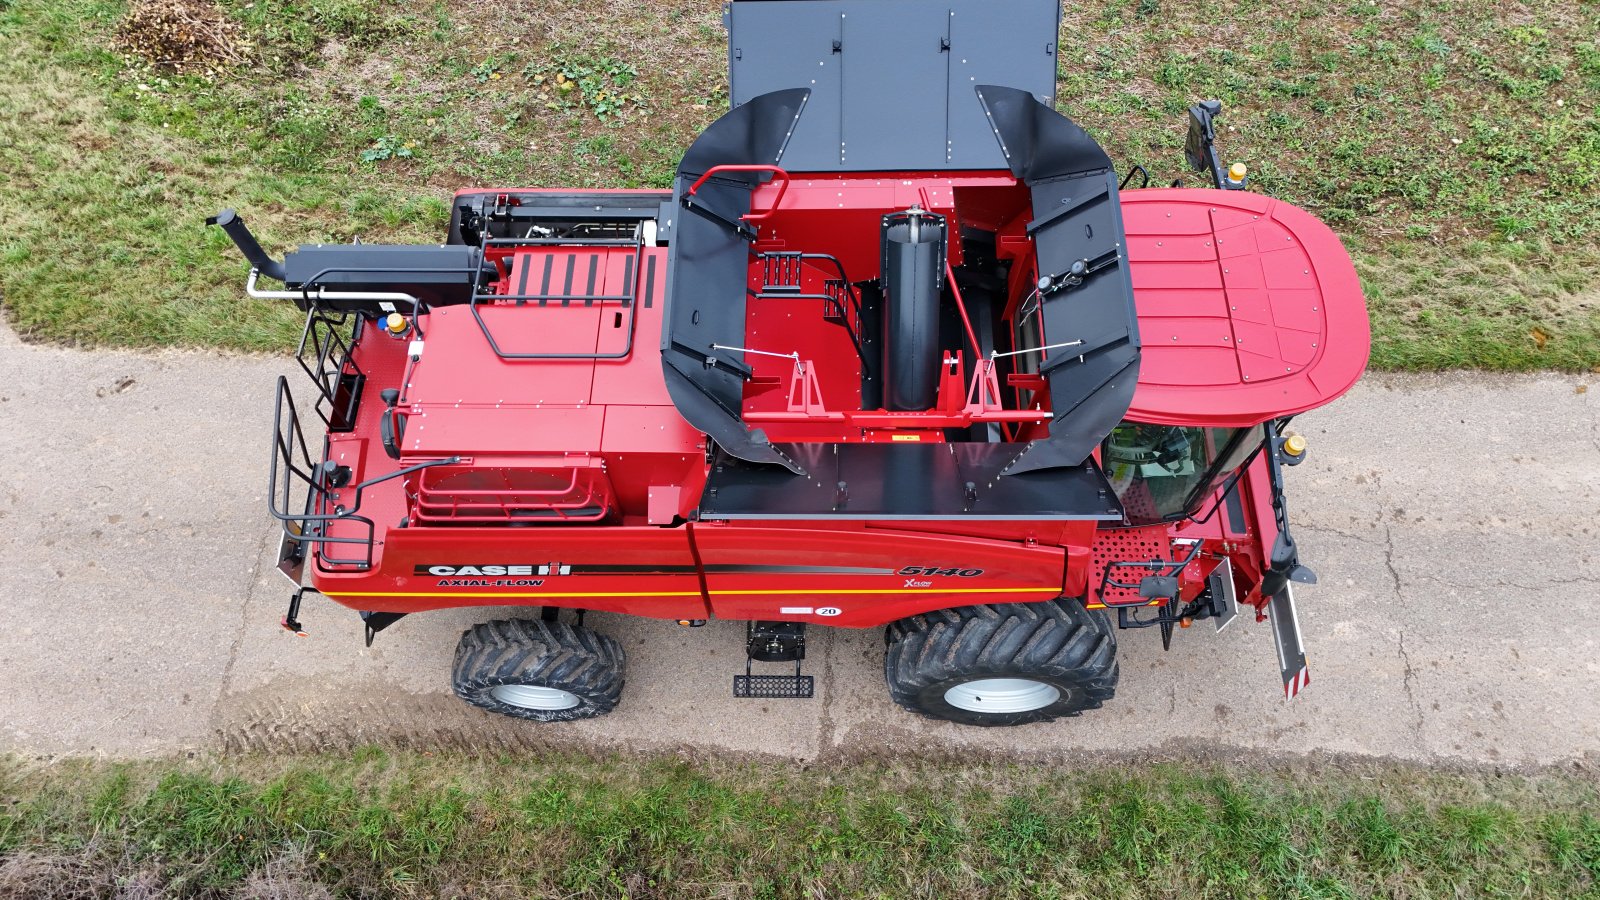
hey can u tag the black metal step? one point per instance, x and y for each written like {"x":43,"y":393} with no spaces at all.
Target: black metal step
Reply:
{"x":774,"y":687}
{"x":782,"y":272}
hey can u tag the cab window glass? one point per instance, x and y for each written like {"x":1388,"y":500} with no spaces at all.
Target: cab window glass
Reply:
{"x":1155,"y":469}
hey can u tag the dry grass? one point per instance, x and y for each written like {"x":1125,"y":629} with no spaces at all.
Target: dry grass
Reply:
{"x":1481,"y":306}
{"x":182,"y":36}
{"x":290,"y":875}
{"x":97,"y":870}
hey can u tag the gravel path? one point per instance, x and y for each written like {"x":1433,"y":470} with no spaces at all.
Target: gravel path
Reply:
{"x":1454,"y":520}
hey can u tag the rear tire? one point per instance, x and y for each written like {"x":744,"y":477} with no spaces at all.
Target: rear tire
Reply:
{"x":1002,"y":664}
{"x":544,"y":671}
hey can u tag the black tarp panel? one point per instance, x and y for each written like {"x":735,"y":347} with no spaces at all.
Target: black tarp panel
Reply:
{"x":906,"y":481}
{"x":891,"y":80}
{"x":707,"y":268}
{"x":1076,"y":218}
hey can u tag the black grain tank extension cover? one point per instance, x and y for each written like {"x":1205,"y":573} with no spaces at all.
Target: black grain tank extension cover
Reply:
{"x":891,"y":80}
{"x":787,"y":115}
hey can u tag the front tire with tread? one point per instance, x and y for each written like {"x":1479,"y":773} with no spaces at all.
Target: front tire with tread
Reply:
{"x":537,"y":654}
{"x":1057,"y":643}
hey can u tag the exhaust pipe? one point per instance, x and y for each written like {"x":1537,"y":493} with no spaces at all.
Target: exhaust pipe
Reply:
{"x":230,"y":222}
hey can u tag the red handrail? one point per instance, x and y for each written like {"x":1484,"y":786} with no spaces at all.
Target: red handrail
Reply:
{"x":778,"y":175}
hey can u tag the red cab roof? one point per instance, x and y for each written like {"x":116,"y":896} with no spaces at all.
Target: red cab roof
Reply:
{"x":1249,"y":308}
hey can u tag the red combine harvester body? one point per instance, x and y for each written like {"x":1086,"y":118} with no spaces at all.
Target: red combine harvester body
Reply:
{"x":946,"y":376}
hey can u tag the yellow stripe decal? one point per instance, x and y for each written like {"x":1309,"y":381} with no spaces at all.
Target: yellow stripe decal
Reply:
{"x":1023,"y":590}
{"x":1014,"y":590}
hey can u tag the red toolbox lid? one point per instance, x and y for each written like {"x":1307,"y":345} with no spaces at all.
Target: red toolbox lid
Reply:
{"x":1249,"y":308}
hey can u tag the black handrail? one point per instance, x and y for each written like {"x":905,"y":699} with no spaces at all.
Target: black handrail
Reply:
{"x":781,"y":261}
{"x":629,"y":299}
{"x":328,"y":360}
{"x":288,"y":444}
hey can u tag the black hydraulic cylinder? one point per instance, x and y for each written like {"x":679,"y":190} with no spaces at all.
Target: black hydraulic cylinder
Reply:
{"x":913,"y":274}
{"x":229,"y":221}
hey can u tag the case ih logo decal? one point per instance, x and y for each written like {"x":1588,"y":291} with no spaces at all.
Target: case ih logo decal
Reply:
{"x":546,"y":569}
{"x":492,"y":574}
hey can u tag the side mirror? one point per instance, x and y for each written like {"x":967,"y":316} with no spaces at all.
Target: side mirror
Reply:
{"x":1156,"y":587}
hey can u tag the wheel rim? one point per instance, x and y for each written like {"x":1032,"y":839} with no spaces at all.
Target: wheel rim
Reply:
{"x":1002,"y":695}
{"x":533,"y":696}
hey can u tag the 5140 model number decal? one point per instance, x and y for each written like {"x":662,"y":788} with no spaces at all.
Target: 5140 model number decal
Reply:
{"x":943,"y":573}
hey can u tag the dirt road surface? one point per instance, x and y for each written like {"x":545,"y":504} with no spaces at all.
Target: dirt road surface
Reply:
{"x":1454,"y":520}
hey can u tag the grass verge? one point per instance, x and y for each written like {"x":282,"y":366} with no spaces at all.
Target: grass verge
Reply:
{"x":382,"y":824}
{"x":1458,"y":154}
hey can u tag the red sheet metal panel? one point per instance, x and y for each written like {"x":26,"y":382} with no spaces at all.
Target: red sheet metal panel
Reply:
{"x":1115,"y":558}
{"x":1249,"y":308}
{"x":839,"y":574}
{"x":457,"y":364}
{"x":636,"y":379}
{"x":464,"y":399}
{"x":642,"y":571}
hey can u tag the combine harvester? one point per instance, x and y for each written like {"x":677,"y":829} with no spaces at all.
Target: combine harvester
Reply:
{"x":899,"y":349}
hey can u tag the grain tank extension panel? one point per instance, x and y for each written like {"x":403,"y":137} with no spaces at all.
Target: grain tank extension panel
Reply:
{"x":892,"y":85}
